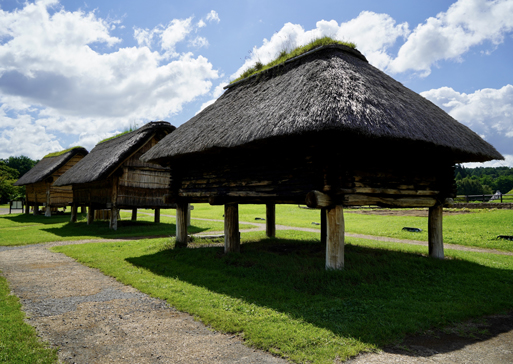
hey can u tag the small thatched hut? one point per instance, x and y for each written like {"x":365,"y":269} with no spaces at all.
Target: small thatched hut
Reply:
{"x":39,"y":181}
{"x":327,"y":128}
{"x":112,"y":176}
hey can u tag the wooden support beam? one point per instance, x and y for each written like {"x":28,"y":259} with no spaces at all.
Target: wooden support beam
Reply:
{"x":181,"y":224}
{"x":317,"y":199}
{"x":134,"y":214}
{"x":48,"y":209}
{"x":73,"y":213}
{"x":113,"y":218}
{"x":82,"y":209}
{"x":27,"y":207}
{"x":335,"y":237}
{"x":157,"y":216}
{"x":90,"y":215}
{"x":400,"y":201}
{"x":323,"y":226}
{"x":189,"y":208}
{"x":231,"y":228}
{"x":435,"y":232}
{"x":270,"y":220}
{"x":36,"y":209}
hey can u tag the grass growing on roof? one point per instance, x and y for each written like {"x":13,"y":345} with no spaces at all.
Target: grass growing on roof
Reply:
{"x":56,"y":154}
{"x":129,"y":130}
{"x":284,"y":55}
{"x":277,"y":295}
{"x":18,"y":340}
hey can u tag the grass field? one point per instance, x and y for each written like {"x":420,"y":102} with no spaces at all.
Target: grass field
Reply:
{"x":276,"y":293}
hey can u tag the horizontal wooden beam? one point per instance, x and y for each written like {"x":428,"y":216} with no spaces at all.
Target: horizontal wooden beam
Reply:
{"x":408,"y":201}
{"x":317,"y":199}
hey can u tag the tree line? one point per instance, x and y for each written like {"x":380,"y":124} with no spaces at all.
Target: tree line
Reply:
{"x":11,"y":169}
{"x":483,"y":180}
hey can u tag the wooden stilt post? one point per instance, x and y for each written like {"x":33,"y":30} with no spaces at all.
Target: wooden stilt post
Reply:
{"x":113,"y":218}
{"x":82,"y":209}
{"x":181,"y":224}
{"x":74,"y":209}
{"x":323,"y":226}
{"x":157,"y":216}
{"x":335,"y":237}
{"x":90,"y":215}
{"x":189,"y":214}
{"x":48,"y":209}
{"x":27,"y":207}
{"x":435,"y":232}
{"x":134,"y":214}
{"x":36,"y":206}
{"x":270,"y":220}
{"x":231,"y":228}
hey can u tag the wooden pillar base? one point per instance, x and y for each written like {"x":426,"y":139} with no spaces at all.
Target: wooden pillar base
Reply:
{"x":36,"y":209}
{"x":435,"y":232}
{"x":270,"y":220}
{"x":90,"y":215}
{"x":181,"y":224}
{"x":48,"y":211}
{"x":335,"y":237}
{"x":74,"y":209}
{"x":113,"y":218}
{"x":157,"y":216}
{"x":231,"y":228}
{"x":134,"y":214}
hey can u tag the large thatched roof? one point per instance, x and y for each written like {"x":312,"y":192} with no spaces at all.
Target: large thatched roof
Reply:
{"x":107,"y":156}
{"x":331,"y":89}
{"x":48,"y":165}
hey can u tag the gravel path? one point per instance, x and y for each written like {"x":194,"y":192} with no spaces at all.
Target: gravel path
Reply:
{"x":95,"y":319}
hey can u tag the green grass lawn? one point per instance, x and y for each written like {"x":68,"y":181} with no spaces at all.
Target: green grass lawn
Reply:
{"x":21,"y":229}
{"x":277,"y":295}
{"x":18,"y":341}
{"x":479,"y":229}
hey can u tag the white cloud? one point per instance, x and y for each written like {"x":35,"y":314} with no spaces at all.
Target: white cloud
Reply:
{"x":373,"y":34}
{"x":201,"y":24}
{"x":199,"y":42}
{"x":213,"y":16}
{"x":449,"y":35}
{"x":488,"y":112}
{"x":53,"y":77}
{"x":218,"y":91}
{"x":507,"y":162}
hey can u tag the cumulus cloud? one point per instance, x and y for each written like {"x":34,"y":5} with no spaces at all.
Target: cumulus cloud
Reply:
{"x":488,"y":112}
{"x":373,"y":34}
{"x":61,"y":73}
{"x":213,"y":16}
{"x":450,"y":34}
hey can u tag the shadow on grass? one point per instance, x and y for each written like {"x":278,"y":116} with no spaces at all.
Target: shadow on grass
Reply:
{"x":379,"y":298}
{"x":126,"y":228}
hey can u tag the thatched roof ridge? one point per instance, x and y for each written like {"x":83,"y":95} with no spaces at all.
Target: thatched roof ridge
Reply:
{"x":48,"y":165}
{"x":106,"y":157}
{"x":328,"y":90}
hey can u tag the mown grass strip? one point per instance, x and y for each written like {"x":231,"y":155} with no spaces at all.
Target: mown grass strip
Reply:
{"x":277,"y":295}
{"x":18,"y":341}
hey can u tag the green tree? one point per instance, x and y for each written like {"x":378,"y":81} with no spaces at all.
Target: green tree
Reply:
{"x":22,"y":164}
{"x":8,"y":176}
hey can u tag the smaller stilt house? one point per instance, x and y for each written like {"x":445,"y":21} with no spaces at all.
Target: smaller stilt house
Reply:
{"x":327,"y":129}
{"x":112,"y":176}
{"x":40,"y":185}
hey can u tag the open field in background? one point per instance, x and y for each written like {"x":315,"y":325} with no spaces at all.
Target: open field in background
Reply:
{"x":20,"y":229}
{"x":277,"y":295}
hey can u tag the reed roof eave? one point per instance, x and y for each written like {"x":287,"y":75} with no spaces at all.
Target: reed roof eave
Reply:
{"x":327,"y":89}
{"x":47,"y":166}
{"x":106,"y":157}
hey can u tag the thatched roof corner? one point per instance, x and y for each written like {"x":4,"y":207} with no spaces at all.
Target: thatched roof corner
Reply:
{"x":48,"y":165}
{"x":106,"y":157}
{"x":330,"y":90}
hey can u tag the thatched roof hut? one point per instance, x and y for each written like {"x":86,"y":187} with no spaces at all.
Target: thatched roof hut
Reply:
{"x":39,"y":181}
{"x":113,"y":177}
{"x":327,"y":125}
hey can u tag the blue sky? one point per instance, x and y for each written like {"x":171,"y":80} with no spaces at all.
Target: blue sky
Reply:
{"x":75,"y":72}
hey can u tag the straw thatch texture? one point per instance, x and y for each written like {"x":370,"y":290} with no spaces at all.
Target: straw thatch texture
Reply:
{"x":330,"y":91}
{"x":47,"y":166}
{"x":108,"y":156}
